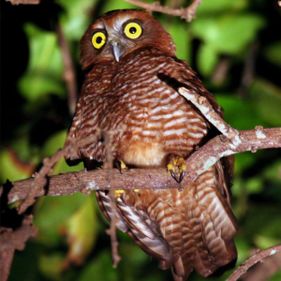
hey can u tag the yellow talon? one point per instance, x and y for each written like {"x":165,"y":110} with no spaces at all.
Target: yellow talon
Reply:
{"x":123,"y":166}
{"x":177,"y":168}
{"x":118,"y":192}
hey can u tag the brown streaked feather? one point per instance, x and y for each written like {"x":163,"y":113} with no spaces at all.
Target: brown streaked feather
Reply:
{"x":135,"y":101}
{"x":142,"y":112}
{"x":197,"y":224}
{"x":184,"y":223}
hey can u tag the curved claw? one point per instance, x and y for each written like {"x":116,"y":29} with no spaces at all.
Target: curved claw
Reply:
{"x":121,"y":166}
{"x":177,"y":168}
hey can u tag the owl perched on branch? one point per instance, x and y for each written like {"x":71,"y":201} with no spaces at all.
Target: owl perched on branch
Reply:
{"x":130,"y":112}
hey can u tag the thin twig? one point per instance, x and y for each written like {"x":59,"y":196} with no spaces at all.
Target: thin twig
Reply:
{"x":24,"y":2}
{"x":69,"y":71}
{"x":12,"y":240}
{"x":114,"y":242}
{"x":248,"y":71}
{"x":221,"y":71}
{"x":40,"y":180}
{"x":112,"y":231}
{"x":187,"y":13}
{"x":259,"y":256}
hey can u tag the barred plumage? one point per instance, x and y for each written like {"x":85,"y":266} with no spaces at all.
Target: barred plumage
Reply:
{"x":131,"y":95}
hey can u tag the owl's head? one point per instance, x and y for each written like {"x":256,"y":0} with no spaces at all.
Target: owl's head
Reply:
{"x":121,"y":32}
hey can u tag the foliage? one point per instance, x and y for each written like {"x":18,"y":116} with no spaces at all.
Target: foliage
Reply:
{"x":72,"y":244}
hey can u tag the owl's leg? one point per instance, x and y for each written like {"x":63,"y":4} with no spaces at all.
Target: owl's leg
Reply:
{"x":177,"y":167}
{"x":121,"y":166}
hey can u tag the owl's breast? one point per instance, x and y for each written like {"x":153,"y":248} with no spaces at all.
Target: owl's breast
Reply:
{"x":144,"y":116}
{"x":159,"y":121}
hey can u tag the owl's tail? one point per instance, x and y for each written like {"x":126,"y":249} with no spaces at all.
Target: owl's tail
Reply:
{"x":207,"y":235}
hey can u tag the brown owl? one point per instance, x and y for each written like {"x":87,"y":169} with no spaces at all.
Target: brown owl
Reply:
{"x":129,"y":104}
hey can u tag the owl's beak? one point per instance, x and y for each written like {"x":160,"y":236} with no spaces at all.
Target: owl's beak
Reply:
{"x":116,"y":50}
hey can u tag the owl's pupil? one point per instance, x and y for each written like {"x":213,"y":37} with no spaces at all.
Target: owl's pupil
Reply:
{"x":133,"y":30}
{"x":98,"y":40}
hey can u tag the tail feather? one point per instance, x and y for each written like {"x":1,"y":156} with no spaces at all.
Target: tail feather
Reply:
{"x":181,"y":270}
{"x":208,"y":227}
{"x":186,"y":230}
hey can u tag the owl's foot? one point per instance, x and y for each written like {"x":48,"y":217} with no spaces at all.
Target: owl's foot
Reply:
{"x":177,"y":168}
{"x":121,"y":166}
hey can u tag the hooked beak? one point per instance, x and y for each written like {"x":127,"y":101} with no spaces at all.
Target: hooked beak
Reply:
{"x":116,"y":50}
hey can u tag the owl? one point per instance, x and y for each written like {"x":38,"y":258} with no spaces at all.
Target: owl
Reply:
{"x":129,"y":108}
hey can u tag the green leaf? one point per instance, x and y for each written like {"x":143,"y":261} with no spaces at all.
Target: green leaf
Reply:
{"x":37,"y":84}
{"x":219,"y":6}
{"x":243,"y":161}
{"x":276,"y":276}
{"x":207,"y":59}
{"x":243,"y":248}
{"x":44,"y":73}
{"x":273,"y":53}
{"x":25,"y":264}
{"x":273,"y":173}
{"x":24,"y":149}
{"x":229,"y":34}
{"x":110,"y":5}
{"x":265,"y":241}
{"x":81,"y":231}
{"x":100,"y":268}
{"x":269,"y":215}
{"x":266,"y":98}
{"x":53,"y":144}
{"x":76,"y":18}
{"x":253,"y":185}
{"x":180,"y":34}
{"x":52,"y":213}
{"x":239,"y":113}
{"x":11,"y":168}
{"x":52,"y":265}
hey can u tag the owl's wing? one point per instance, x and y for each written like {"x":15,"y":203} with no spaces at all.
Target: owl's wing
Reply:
{"x":179,"y":74}
{"x":84,"y":135}
{"x":136,"y":223}
{"x":95,"y":129}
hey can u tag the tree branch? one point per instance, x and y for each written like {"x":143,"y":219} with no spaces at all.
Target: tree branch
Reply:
{"x":187,"y":13}
{"x":24,"y":2}
{"x":258,"y":257}
{"x":156,"y":178}
{"x":10,"y":241}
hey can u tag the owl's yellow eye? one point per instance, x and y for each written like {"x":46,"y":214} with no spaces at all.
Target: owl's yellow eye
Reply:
{"x":133,"y":30}
{"x":98,"y":39}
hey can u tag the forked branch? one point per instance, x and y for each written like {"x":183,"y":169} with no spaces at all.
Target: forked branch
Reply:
{"x":187,"y":13}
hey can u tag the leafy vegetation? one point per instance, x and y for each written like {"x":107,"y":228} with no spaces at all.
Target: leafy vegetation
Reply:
{"x":227,"y":41}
